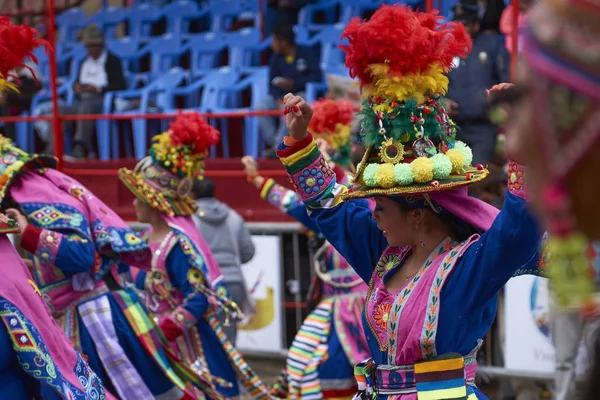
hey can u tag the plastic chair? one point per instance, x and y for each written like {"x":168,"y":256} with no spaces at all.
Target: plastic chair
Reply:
{"x":213,"y":97}
{"x":109,"y":19}
{"x":205,"y":50}
{"x":178,"y":15}
{"x":159,"y":91}
{"x":70,"y":22}
{"x":307,"y":14}
{"x":224,"y":12}
{"x":164,"y":52}
{"x":245,"y":47}
{"x":141,"y":18}
{"x":126,"y":50}
{"x":258,"y":83}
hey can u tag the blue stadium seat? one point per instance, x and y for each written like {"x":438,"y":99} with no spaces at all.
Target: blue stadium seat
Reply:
{"x":70,"y":22}
{"x":205,"y":50}
{"x":245,"y":47}
{"x":178,"y":15}
{"x":109,"y":19}
{"x":156,"y":96}
{"x":141,"y":18}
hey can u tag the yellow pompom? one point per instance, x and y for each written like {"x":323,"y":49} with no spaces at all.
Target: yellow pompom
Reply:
{"x":422,"y":169}
{"x":385,"y":175}
{"x":458,"y":160}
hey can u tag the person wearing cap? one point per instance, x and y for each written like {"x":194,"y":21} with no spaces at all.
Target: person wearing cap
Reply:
{"x":100,"y":72}
{"x":291,"y":67}
{"x":486,"y":65}
{"x":553,"y":115}
{"x":435,"y":258}
{"x":185,"y":289}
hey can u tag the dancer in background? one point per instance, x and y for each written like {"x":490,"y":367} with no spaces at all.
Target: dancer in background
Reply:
{"x":184,"y":289}
{"x":427,"y":243}
{"x":37,"y":360}
{"x":330,"y":341}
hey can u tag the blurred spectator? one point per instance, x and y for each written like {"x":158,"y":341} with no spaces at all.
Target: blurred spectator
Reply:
{"x":13,"y":103}
{"x":100,"y":72}
{"x":231,"y":243}
{"x":291,"y":67}
{"x":506,"y":23}
{"x":280,"y":12}
{"x":490,"y":14}
{"x":486,"y":66}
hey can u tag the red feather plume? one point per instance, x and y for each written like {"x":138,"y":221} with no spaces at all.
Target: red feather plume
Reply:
{"x":407,"y":41}
{"x":327,"y":113}
{"x":17,"y":43}
{"x":191,"y":129}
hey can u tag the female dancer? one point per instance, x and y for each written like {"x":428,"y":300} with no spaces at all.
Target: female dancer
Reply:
{"x":37,"y":360}
{"x":185,"y":284}
{"x":76,"y":244}
{"x":434,"y":257}
{"x":330,"y":341}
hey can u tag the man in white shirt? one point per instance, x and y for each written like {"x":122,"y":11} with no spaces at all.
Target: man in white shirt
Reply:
{"x":99,"y":73}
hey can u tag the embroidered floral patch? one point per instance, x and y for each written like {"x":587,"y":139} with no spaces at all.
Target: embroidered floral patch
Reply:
{"x":386,"y":263}
{"x":382,"y":315}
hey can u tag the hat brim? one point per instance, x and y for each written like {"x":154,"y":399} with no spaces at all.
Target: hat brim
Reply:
{"x":178,"y":206}
{"x":452,"y":182}
{"x":359,"y":190}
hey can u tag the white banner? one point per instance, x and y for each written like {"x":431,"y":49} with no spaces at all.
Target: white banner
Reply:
{"x":263,"y":331}
{"x":528,"y":338}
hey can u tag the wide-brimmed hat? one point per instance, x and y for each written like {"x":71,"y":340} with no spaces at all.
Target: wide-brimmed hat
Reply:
{"x":332,"y":121}
{"x":401,"y":58}
{"x":93,"y":36}
{"x":165,"y":178}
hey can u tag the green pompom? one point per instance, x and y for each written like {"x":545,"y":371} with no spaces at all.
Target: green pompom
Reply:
{"x":466,"y":150}
{"x":403,"y":174}
{"x":369,"y":175}
{"x":441,"y":166}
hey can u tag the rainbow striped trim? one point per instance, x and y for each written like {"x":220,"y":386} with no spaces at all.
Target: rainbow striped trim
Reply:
{"x":441,"y":378}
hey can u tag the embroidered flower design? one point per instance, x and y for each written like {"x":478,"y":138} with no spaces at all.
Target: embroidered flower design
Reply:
{"x":382,"y":314}
{"x":515,"y":177}
{"x":311,"y":180}
{"x":386,"y":263}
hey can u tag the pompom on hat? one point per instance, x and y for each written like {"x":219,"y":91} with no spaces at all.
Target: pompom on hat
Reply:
{"x":411,"y":140}
{"x":561,"y":49}
{"x":332,"y":121}
{"x":164,"y":179}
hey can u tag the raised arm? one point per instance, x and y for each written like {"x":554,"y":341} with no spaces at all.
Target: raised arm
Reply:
{"x":316,"y":184}
{"x":510,"y":247}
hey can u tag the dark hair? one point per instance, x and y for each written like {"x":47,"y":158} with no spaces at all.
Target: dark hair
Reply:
{"x":203,"y":188}
{"x":461,"y":230}
{"x":285,"y":32}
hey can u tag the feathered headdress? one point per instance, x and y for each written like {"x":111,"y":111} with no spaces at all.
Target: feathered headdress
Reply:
{"x":164,"y":179}
{"x":17,"y":43}
{"x":332,"y":121}
{"x":401,"y":58}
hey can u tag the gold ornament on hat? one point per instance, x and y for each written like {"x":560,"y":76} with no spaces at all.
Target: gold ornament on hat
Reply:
{"x":391,"y":151}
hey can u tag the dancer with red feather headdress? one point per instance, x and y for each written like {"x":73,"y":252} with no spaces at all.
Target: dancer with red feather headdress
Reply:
{"x":435,"y":258}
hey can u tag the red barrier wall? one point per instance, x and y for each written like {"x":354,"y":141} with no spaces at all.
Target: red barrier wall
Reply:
{"x":227,"y":174}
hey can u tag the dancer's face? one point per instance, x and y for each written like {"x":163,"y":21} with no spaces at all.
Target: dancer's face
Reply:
{"x":397,"y":225}
{"x":142,"y":211}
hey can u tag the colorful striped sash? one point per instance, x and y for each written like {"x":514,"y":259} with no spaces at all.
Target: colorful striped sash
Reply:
{"x":306,"y":352}
{"x":447,"y":377}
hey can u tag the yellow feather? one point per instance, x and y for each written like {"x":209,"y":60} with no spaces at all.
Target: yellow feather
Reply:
{"x":414,"y":86}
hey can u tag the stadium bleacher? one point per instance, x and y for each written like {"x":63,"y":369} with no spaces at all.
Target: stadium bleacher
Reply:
{"x":205,"y":56}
